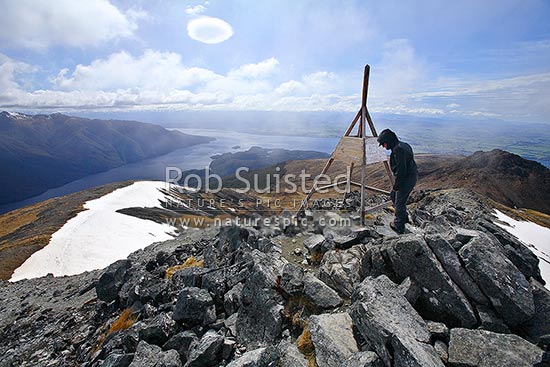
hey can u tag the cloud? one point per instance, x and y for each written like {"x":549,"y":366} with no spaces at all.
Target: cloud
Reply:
{"x":10,"y":69}
{"x":160,"y":80}
{"x":40,"y":24}
{"x":209,"y":30}
{"x":522,"y":97}
{"x":259,"y":70}
{"x":195,"y":10}
{"x":153,"y":71}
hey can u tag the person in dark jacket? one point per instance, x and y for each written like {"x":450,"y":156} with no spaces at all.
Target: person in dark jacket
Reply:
{"x":405,"y":171}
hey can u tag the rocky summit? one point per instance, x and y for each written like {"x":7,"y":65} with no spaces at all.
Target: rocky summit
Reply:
{"x":454,"y":290}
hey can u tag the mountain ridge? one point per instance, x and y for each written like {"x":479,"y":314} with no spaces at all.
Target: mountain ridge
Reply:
{"x":38,"y":152}
{"x":235,"y":296}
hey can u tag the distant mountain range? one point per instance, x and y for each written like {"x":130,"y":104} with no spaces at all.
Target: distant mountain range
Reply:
{"x":39,"y":152}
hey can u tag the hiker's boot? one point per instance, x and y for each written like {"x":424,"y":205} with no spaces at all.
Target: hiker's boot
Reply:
{"x":395,"y":229}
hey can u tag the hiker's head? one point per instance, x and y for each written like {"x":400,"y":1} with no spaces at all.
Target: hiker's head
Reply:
{"x":387,"y":139}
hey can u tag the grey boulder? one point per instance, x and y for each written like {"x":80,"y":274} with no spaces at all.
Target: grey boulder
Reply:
{"x":181,"y":343}
{"x":259,"y":320}
{"x":448,"y":257}
{"x":363,"y":359}
{"x":500,"y":280}
{"x":195,"y":306}
{"x":314,"y":243}
{"x":260,"y":357}
{"x":483,"y":348}
{"x":390,"y":325}
{"x":232,"y":299}
{"x":152,"y":356}
{"x":341,"y":270}
{"x":539,"y":325}
{"x":320,"y":294}
{"x":292,"y":280}
{"x":332,"y":336}
{"x":112,"y":280}
{"x":207,"y":351}
{"x":440,"y":297}
{"x":290,"y":356}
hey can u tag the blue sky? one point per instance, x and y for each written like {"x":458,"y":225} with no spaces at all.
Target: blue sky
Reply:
{"x":463,"y":59}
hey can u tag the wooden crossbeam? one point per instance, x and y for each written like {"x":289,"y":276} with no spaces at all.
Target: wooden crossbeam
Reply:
{"x":378,"y":207}
{"x":371,"y":188}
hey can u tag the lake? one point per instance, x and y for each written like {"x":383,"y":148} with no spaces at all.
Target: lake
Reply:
{"x":194,"y":157}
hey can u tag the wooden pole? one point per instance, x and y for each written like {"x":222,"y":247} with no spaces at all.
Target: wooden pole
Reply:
{"x":348,"y":181}
{"x":363,"y":137}
{"x":371,"y":188}
{"x":352,"y":125}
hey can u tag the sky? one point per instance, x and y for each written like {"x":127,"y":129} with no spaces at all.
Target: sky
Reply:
{"x":463,"y":59}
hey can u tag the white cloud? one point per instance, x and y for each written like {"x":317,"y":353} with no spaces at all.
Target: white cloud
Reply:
{"x":195,"y":10}
{"x":252,"y":71}
{"x":209,"y":30}
{"x":40,"y":24}
{"x":160,"y":80}
{"x":153,"y":71}
{"x":290,"y":87}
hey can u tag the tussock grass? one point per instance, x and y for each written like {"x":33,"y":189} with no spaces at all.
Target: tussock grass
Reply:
{"x":189,"y":263}
{"x":124,"y":321}
{"x":369,"y":216}
{"x":306,"y":347}
{"x":317,"y":257}
{"x":14,"y":220}
{"x":530,"y":215}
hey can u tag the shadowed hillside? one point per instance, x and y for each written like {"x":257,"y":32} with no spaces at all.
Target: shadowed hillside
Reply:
{"x":45,"y":151}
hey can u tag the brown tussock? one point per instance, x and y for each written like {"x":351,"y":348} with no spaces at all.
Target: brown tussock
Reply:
{"x":316,"y":257}
{"x":124,"y":321}
{"x":306,"y":347}
{"x":189,"y":263}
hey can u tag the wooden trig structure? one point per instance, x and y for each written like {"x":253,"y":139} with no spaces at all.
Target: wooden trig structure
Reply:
{"x":357,"y":150}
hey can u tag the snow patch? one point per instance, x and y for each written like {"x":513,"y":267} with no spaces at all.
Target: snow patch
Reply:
{"x":97,"y":237}
{"x":534,"y":236}
{"x":17,"y":115}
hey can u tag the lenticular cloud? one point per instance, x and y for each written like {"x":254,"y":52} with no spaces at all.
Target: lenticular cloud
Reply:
{"x":209,"y":30}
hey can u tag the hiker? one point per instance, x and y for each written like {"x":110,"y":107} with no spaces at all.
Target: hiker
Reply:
{"x":405,"y":171}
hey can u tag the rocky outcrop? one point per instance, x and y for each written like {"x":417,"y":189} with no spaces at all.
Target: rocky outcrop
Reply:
{"x":195,"y":306}
{"x":319,"y":294}
{"x":261,"y":357}
{"x":500,"y":280}
{"x":452,"y":292}
{"x":487,"y":349}
{"x":112,"y":280}
{"x":291,"y":356}
{"x":539,"y":324}
{"x":259,"y":320}
{"x":450,"y":261}
{"x":410,"y":256}
{"x":364,"y":359}
{"x":207,"y":351}
{"x":152,"y":356}
{"x":391,"y":326}
{"x":332,"y":337}
{"x":342,"y":269}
